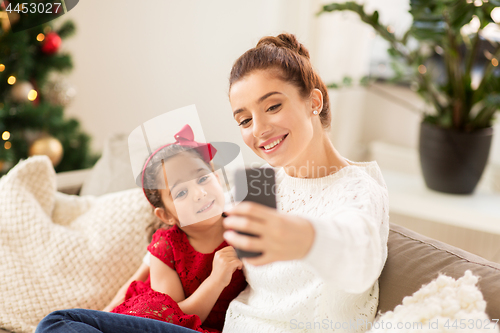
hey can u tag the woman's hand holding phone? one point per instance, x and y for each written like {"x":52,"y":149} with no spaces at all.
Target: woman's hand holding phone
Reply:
{"x":279,"y":236}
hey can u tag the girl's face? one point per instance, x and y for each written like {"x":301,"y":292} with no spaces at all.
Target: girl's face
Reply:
{"x":193,"y":192}
{"x":275,"y":121}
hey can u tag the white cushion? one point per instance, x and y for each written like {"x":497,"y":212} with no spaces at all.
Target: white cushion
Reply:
{"x":443,"y":305}
{"x":60,"y":251}
{"x":112,"y":172}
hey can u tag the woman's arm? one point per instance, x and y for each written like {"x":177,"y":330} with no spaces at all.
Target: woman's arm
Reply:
{"x":348,"y":251}
{"x":166,"y":280}
{"x":346,"y":247}
{"x":140,"y":275}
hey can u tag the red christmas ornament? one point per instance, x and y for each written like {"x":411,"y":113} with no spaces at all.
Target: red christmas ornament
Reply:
{"x":51,"y":43}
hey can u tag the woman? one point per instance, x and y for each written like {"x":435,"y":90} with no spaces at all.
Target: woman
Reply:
{"x":326,"y":244}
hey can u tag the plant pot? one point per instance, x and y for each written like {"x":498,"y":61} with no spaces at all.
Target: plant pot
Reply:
{"x":453,"y":161}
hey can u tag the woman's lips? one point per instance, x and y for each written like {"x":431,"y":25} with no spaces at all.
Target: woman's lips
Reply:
{"x":268,"y":151}
{"x":206,"y":208}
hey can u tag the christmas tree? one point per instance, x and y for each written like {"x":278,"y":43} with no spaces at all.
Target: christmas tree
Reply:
{"x":32,"y":103}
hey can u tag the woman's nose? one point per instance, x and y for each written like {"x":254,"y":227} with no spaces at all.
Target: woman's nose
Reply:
{"x":260,"y":127}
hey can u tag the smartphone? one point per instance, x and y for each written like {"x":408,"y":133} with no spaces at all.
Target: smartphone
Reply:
{"x":256,"y":185}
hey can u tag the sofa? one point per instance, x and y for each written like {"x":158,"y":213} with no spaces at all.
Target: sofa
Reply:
{"x":413,"y":259}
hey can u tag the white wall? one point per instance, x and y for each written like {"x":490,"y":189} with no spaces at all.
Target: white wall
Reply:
{"x":136,"y":60}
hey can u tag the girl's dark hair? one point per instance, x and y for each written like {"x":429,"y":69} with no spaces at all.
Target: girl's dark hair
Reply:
{"x":291,"y":59}
{"x":152,"y":180}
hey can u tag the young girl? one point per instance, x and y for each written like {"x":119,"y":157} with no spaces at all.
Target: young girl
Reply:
{"x":194,"y":274}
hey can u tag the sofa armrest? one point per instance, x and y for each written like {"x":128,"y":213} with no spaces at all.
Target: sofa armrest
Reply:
{"x":70,"y":182}
{"x":414,"y":260}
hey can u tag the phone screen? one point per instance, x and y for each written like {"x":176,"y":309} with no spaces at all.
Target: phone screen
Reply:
{"x":256,"y":185}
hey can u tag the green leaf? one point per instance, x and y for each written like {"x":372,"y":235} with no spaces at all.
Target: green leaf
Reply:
{"x":66,"y":30}
{"x":375,"y":16}
{"x":484,"y":14}
{"x":347,"y":81}
{"x":461,"y":14}
{"x":493,"y":100}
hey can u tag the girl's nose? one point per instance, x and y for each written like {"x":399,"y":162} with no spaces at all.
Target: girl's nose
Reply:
{"x":199,"y":193}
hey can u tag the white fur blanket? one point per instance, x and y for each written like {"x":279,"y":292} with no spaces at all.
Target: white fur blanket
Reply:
{"x":444,"y":305}
{"x":60,"y":251}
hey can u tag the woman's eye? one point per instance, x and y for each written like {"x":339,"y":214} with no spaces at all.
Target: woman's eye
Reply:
{"x":202,"y":179}
{"x":274,"y":107}
{"x":244,"y":122}
{"x":180,"y":194}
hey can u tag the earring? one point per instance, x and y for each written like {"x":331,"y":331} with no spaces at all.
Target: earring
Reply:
{"x":315,"y":111}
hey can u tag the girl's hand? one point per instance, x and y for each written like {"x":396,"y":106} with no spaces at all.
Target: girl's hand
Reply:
{"x":225,"y":263}
{"x":280,"y":236}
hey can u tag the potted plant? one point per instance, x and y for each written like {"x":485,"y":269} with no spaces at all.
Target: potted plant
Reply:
{"x":455,"y":138}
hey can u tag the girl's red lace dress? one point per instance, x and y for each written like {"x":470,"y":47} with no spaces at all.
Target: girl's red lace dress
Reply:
{"x":173,"y":248}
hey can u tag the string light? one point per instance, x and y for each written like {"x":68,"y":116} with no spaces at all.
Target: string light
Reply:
{"x":422,"y":69}
{"x":32,"y":95}
{"x":7,"y":145}
{"x":11,"y":80}
{"x":40,"y":37}
{"x":6,"y":135}
{"x":494,"y":62}
{"x":2,"y":67}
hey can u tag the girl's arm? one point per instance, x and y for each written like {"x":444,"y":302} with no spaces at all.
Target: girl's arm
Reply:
{"x":166,"y":280}
{"x":140,"y":275}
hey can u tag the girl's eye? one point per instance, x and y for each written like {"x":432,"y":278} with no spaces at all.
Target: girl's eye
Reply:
{"x":203,"y":179}
{"x":274,"y":107}
{"x":180,"y":194}
{"x":244,"y":122}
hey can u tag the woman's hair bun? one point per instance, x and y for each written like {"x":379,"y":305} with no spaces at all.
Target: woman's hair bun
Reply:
{"x":288,"y":41}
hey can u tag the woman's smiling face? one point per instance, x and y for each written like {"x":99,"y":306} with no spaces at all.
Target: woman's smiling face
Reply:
{"x":274,"y":119}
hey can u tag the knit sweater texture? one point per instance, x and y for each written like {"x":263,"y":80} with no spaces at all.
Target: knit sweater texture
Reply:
{"x":335,"y":286}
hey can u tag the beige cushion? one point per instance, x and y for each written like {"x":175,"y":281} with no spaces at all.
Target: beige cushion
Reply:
{"x":444,"y":305}
{"x":61,"y":251}
{"x":112,"y":172}
{"x":414,"y":260}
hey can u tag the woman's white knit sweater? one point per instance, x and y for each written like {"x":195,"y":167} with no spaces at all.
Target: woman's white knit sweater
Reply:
{"x":335,"y":287}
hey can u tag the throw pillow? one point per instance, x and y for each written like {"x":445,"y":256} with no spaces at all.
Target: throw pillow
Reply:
{"x":112,"y":172}
{"x":60,"y":251}
{"x":443,"y":305}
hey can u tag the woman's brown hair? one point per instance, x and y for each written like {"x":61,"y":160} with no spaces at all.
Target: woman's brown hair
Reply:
{"x":291,"y":59}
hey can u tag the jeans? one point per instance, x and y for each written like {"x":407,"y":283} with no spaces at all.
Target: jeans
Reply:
{"x":92,"y":321}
